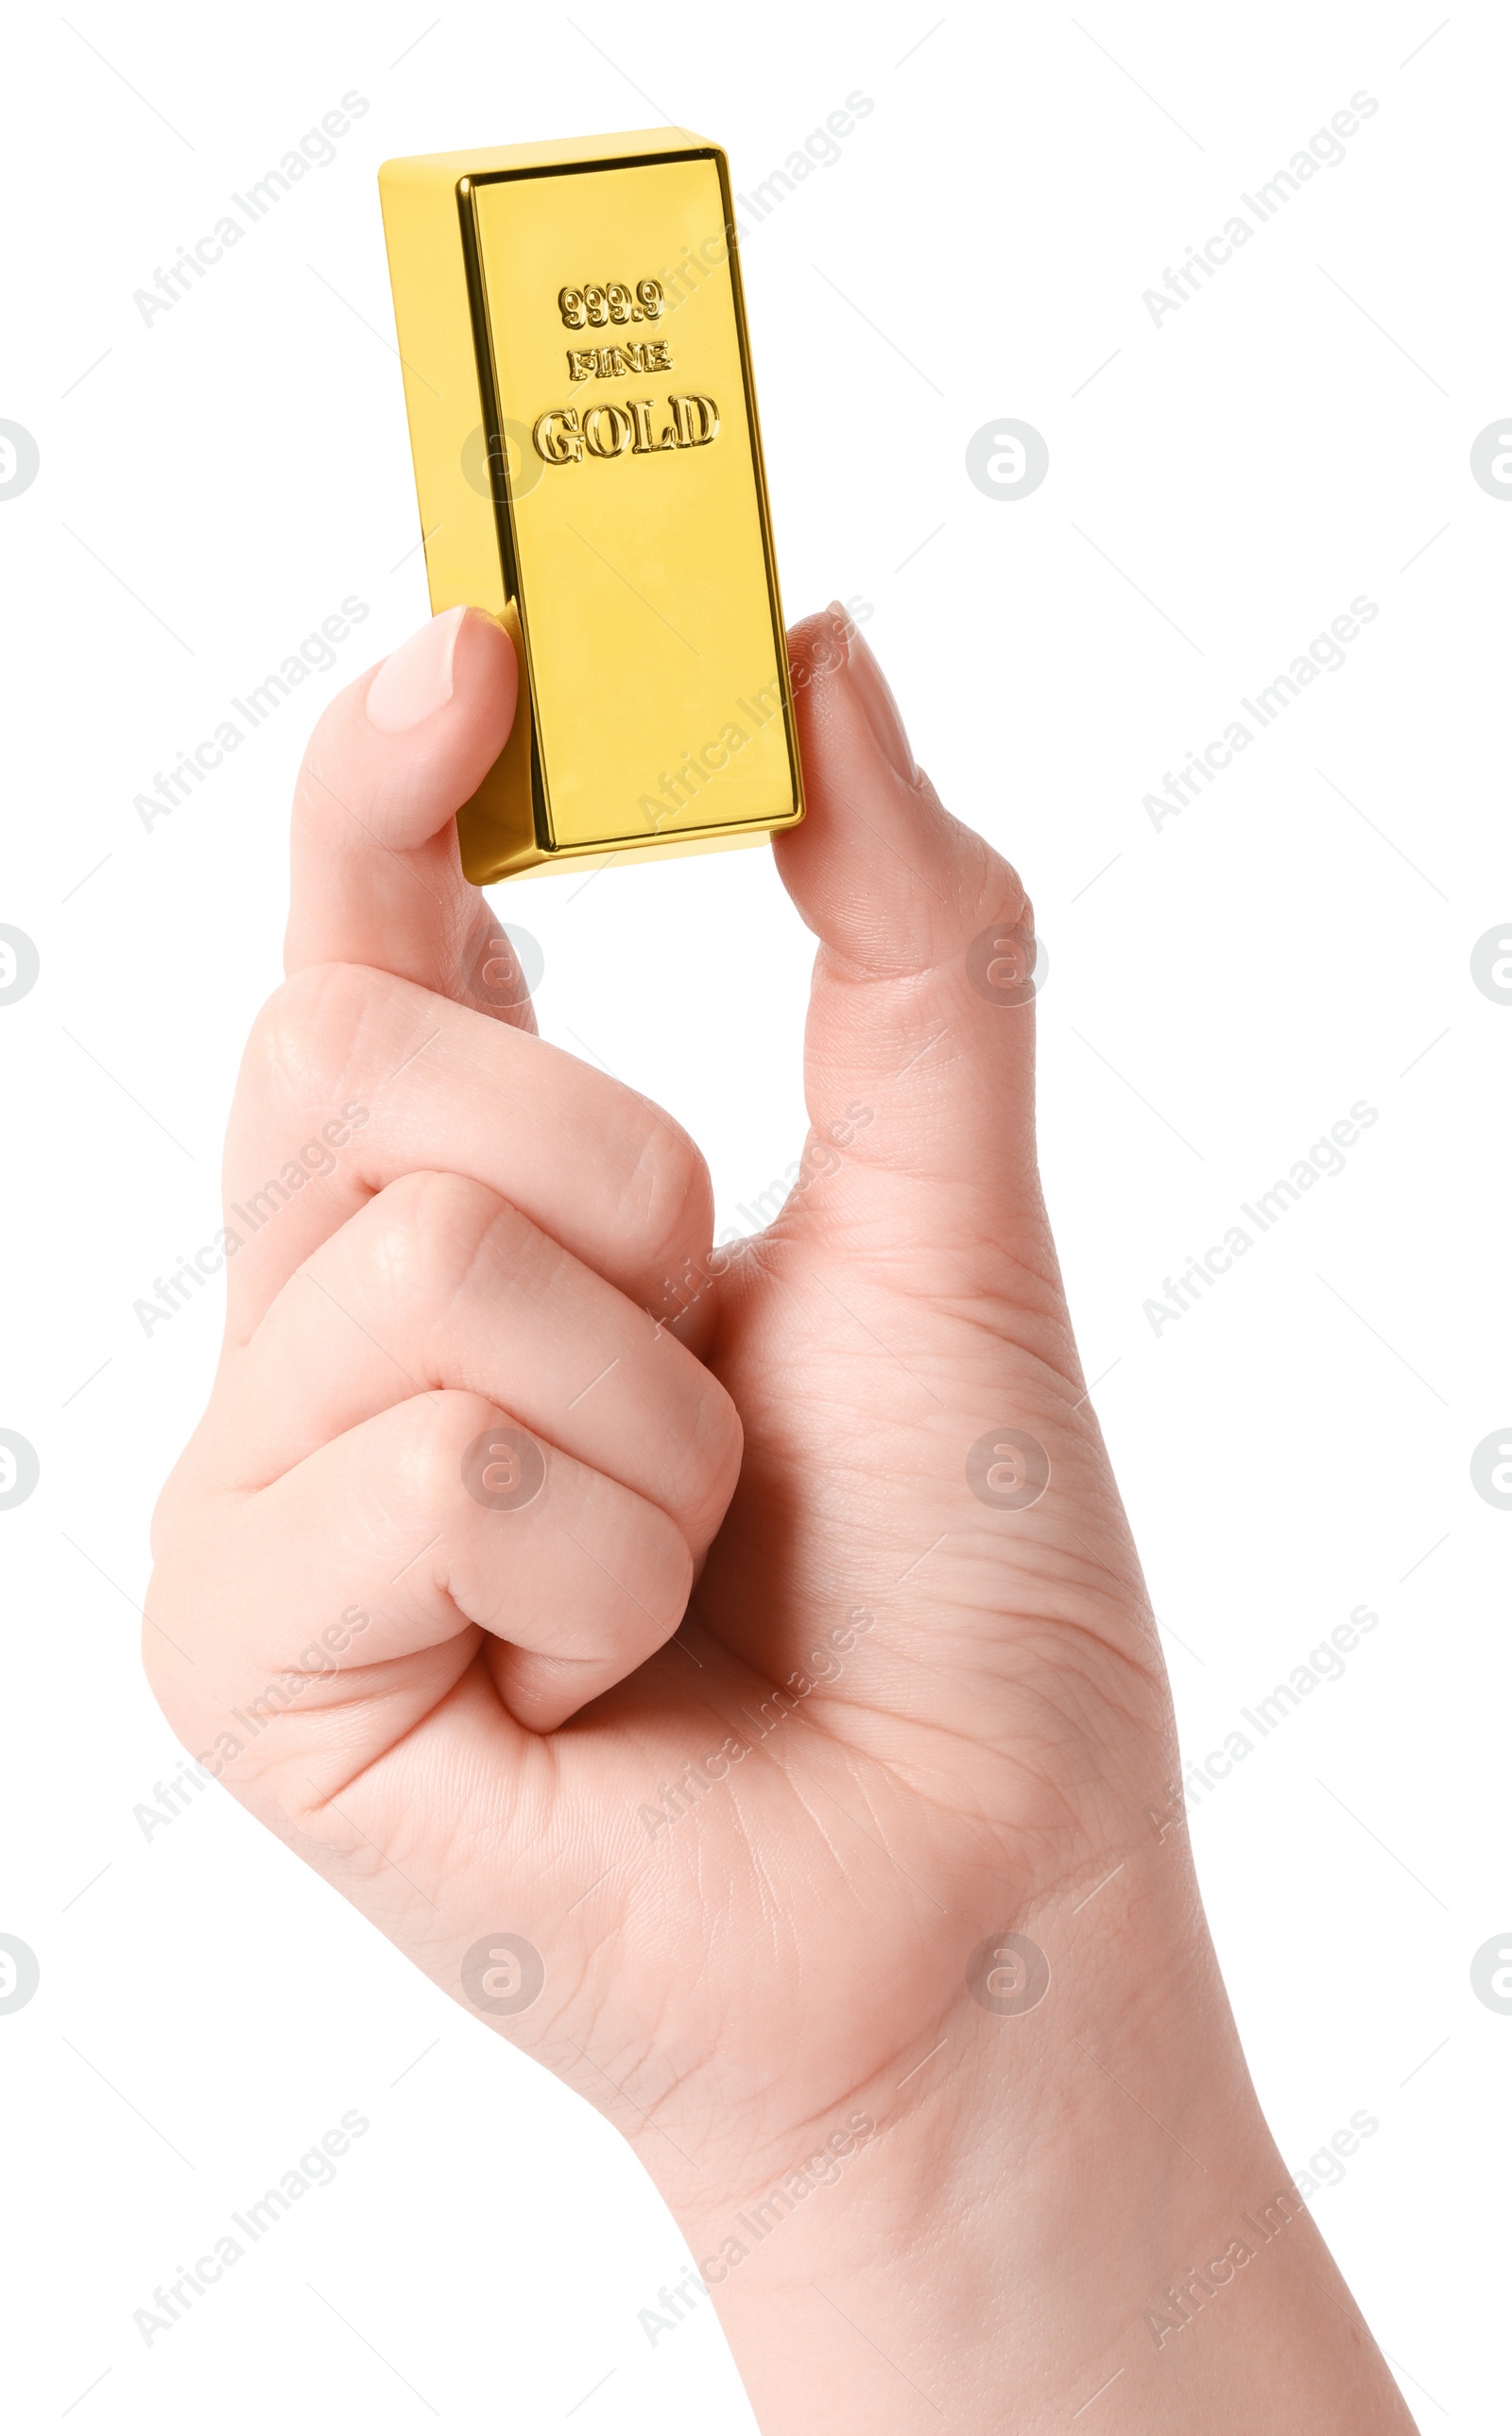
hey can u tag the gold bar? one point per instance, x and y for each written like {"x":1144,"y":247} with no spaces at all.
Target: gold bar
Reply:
{"x":582,"y":416}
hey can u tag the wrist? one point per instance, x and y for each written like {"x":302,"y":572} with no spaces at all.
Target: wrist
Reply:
{"x":1083,"y":2195}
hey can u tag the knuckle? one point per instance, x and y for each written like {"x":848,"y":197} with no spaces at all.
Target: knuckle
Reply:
{"x":662,"y":1590}
{"x":676,"y":1584}
{"x":992,"y":889}
{"x":665,"y":1198}
{"x":422,"y":1235}
{"x":315,"y":1037}
{"x":428,"y":1470}
{"x":711,"y":1461}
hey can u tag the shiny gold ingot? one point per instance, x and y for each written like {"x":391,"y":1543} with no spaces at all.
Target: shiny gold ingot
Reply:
{"x":578,"y":382}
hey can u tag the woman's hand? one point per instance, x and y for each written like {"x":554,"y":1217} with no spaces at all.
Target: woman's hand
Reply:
{"x":733,"y":1676}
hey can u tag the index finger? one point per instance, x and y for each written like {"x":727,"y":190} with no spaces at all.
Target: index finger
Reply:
{"x":377,"y":876}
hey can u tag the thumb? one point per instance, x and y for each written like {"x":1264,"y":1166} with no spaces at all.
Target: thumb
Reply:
{"x":922,"y":1009}
{"x":377,"y":876}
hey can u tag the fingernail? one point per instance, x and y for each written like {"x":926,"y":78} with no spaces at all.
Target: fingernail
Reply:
{"x":415,"y":681}
{"x":874,"y":695}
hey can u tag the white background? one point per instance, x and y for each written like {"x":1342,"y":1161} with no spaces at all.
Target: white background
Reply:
{"x":1220,"y":485}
